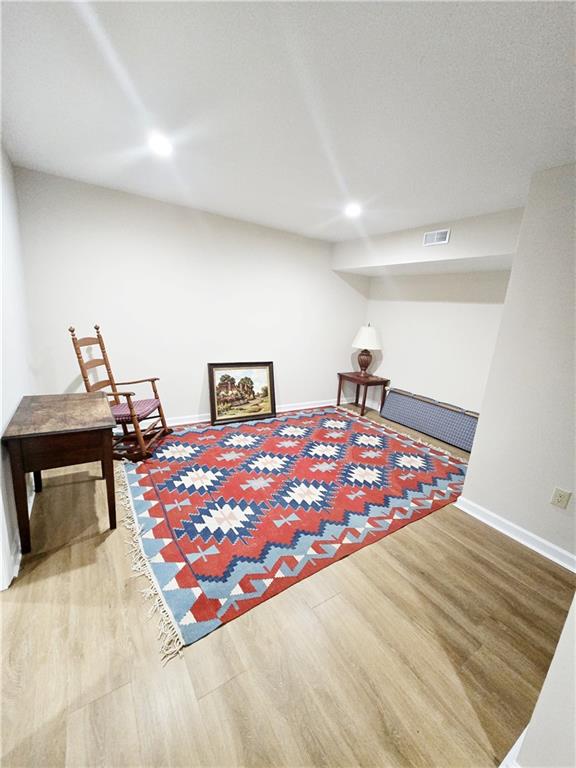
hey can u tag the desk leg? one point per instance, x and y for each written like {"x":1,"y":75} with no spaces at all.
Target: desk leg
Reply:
{"x":108,"y":472}
{"x":38,"y":481}
{"x":364,"y":400}
{"x":20,"y":495}
{"x":339,"y":390}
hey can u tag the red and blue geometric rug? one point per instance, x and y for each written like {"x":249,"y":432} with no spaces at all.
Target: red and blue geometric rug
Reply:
{"x":228,"y":516}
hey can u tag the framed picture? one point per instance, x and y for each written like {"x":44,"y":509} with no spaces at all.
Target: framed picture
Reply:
{"x":241,"y":391}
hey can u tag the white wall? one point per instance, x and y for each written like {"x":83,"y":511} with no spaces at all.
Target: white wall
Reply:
{"x":550,"y":738}
{"x":478,"y":239}
{"x":524,"y":444}
{"x":437,"y":309}
{"x":438,"y":332}
{"x":174,"y":288}
{"x":17,"y":378}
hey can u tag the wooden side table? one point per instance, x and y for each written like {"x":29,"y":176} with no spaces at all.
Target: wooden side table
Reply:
{"x":49,"y":431}
{"x":362,"y":381}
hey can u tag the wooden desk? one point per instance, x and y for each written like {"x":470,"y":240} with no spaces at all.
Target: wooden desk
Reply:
{"x":362,"y":381}
{"x":50,"y":431}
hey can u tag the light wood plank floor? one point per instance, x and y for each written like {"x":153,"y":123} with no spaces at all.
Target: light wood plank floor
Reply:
{"x":427,"y":648}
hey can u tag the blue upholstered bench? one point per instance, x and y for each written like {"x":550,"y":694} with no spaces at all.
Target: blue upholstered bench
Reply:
{"x":445,"y":422}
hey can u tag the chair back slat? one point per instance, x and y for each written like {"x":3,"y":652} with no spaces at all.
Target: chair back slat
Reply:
{"x":95,"y":363}
{"x":96,"y":385}
{"x":87,"y":363}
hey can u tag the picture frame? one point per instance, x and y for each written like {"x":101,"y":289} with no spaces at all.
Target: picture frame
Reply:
{"x":241,"y":391}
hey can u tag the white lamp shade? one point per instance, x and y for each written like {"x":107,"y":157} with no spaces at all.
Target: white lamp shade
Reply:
{"x":367,"y":338}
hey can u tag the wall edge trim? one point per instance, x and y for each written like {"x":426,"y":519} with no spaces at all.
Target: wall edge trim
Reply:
{"x":510,"y":760}
{"x":531,"y":540}
{"x":13,"y":567}
{"x":196,"y":418}
{"x":15,"y":551}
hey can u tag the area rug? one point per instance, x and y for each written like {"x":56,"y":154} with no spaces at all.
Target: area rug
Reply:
{"x":225,"y":517}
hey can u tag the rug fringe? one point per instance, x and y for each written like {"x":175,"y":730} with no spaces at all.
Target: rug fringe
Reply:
{"x":170,"y":641}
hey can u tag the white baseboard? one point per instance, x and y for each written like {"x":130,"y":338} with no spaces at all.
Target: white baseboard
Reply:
{"x":16,"y":560}
{"x":546,"y":548}
{"x":178,"y":421}
{"x":303,"y":406}
{"x":11,"y":569}
{"x":510,"y":759}
{"x":196,"y":418}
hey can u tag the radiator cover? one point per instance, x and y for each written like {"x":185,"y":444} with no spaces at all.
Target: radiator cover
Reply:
{"x":440,"y":420}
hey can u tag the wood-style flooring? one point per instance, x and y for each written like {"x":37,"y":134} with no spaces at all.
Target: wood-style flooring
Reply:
{"x":427,"y":648}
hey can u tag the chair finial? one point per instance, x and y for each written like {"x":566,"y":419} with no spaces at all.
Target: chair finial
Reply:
{"x":97,"y":329}
{"x":72,"y":331}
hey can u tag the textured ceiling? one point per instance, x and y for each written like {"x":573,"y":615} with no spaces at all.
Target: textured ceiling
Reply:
{"x":282,"y":112}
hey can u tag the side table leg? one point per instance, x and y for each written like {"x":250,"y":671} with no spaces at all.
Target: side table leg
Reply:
{"x":20,"y":495}
{"x":339,"y":390}
{"x":38,"y":481}
{"x":357,"y":394}
{"x":383,"y":396}
{"x":108,"y":472}
{"x":364,"y":400}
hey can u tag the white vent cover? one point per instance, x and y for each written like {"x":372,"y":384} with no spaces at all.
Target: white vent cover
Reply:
{"x":439,"y":237}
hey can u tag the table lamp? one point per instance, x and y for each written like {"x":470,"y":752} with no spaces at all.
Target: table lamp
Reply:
{"x":366,"y":339}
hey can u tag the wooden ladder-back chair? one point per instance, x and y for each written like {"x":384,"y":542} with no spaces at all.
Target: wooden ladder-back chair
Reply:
{"x":137,"y":443}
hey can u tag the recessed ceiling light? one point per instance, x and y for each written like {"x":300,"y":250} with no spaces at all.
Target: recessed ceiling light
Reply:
{"x":159,"y":144}
{"x":353,"y":210}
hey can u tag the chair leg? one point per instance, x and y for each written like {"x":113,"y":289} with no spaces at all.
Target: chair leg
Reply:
{"x":165,"y":427}
{"x":141,"y":444}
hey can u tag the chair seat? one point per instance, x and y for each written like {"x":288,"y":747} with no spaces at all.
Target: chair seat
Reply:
{"x":143,"y":408}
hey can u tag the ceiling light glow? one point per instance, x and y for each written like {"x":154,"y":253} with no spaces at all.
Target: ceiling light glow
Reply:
{"x":353,"y":210}
{"x":159,"y":144}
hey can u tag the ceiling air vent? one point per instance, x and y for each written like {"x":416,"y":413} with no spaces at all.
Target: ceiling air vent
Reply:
{"x":439,"y":237}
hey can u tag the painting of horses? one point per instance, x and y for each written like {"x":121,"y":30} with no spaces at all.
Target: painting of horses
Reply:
{"x":241,"y":391}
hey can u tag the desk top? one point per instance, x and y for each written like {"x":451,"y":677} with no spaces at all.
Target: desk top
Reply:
{"x":368,"y":379}
{"x":57,"y":414}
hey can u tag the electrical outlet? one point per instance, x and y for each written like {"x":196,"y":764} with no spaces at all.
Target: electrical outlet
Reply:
{"x":560,"y":498}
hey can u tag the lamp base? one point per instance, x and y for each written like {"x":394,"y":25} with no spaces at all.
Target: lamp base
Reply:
{"x":364,"y":360}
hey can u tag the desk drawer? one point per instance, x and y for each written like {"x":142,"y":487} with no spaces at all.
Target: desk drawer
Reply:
{"x":50,"y":451}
